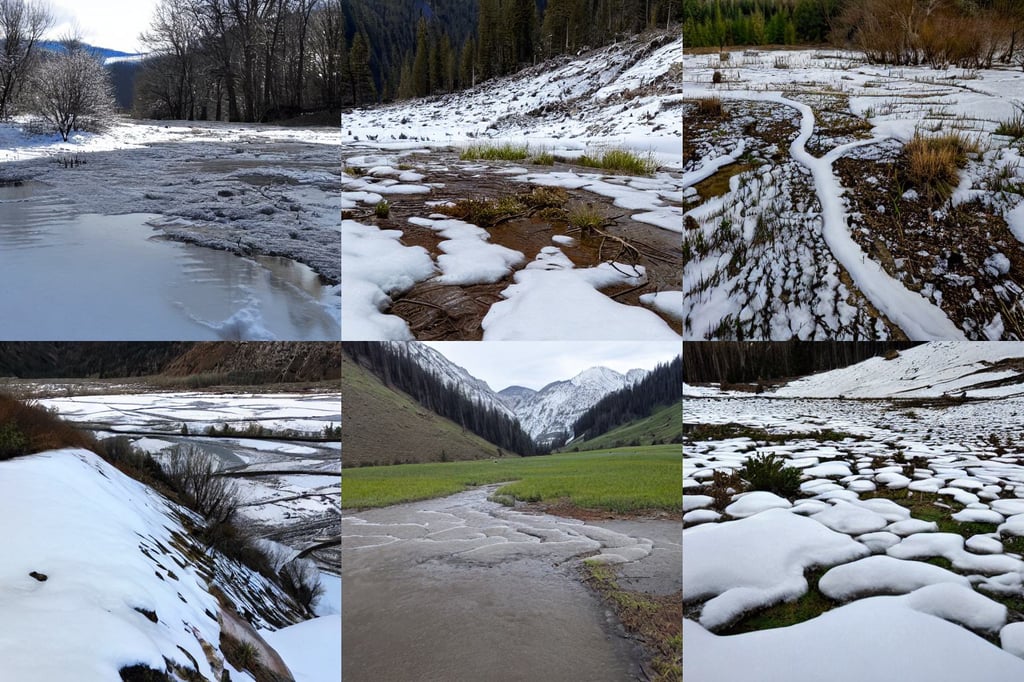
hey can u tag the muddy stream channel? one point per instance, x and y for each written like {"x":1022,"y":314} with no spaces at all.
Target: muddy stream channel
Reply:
{"x":79,"y":276}
{"x":462,"y":588}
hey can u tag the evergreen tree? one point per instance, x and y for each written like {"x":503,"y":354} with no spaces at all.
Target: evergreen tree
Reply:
{"x":421,"y":62}
{"x":361,"y":78}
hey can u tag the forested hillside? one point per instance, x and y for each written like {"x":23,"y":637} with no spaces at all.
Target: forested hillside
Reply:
{"x":397,"y":368}
{"x":973,"y":34}
{"x":663,"y":386}
{"x":718,"y":23}
{"x":401,"y":49}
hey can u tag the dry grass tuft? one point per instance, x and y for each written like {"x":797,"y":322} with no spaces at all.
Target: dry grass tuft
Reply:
{"x":934,"y":163}
{"x":710,"y":107}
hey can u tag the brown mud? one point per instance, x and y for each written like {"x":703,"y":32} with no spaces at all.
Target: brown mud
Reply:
{"x":437,"y":311}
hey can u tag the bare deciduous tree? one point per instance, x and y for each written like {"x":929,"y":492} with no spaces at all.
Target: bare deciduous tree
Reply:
{"x":22,"y":24}
{"x":193,"y":473}
{"x":71,"y":91}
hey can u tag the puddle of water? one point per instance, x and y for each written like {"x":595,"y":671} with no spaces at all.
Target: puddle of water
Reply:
{"x":94,"y":277}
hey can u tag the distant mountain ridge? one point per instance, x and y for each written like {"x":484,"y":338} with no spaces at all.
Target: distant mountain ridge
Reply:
{"x":548,"y":415}
{"x":104,"y":52}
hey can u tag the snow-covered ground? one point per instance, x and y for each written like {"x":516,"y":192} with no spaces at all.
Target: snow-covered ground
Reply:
{"x":625,"y":96}
{"x":811,"y":229}
{"x":256,"y":191}
{"x":908,"y":525}
{"x":98,"y":573}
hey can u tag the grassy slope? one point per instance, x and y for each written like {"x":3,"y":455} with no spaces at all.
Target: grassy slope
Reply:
{"x":385,"y":426}
{"x":664,"y":426}
{"x":621,"y":480}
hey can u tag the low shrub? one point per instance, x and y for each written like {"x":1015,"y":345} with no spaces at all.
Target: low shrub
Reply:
{"x":770,"y":473}
{"x":26,"y":428}
{"x":382,"y":209}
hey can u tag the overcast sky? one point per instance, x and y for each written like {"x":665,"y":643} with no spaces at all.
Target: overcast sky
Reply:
{"x":114,"y":24}
{"x":536,"y":364}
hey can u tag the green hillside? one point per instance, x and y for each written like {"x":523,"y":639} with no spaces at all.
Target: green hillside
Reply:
{"x":381,"y":425}
{"x":664,"y":426}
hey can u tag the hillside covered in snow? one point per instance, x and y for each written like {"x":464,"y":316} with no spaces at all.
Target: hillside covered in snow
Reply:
{"x":418,"y":256}
{"x":549,"y":414}
{"x":941,"y":368}
{"x":105,"y":575}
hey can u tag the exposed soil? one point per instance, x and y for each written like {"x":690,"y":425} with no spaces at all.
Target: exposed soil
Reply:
{"x":452,"y":312}
{"x":934,"y":248}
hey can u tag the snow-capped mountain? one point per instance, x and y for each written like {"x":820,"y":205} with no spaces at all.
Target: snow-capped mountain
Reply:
{"x":550,"y":412}
{"x":448,"y":371}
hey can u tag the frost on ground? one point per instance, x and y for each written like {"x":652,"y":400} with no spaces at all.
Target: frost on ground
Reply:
{"x":403,"y":166}
{"x":804,"y":219}
{"x":902,"y":553}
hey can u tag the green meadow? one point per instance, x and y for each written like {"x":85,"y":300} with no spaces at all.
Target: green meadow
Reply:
{"x":619,"y":480}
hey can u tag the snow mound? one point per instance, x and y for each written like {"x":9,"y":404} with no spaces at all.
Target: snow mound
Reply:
{"x":877,"y":575}
{"x":757,"y":561}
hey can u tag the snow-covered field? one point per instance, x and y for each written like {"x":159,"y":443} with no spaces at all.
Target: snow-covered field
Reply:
{"x":268,"y":194}
{"x":800,"y":220}
{"x":902,"y":552}
{"x":626,"y":96}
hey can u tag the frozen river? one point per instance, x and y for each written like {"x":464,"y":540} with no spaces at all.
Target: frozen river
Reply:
{"x":81,"y":276}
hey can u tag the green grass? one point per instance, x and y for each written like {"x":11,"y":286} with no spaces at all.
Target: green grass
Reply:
{"x":621,"y":160}
{"x":663,"y":427}
{"x":810,"y":605}
{"x":585,"y":218}
{"x":495,"y":152}
{"x":620,"y":480}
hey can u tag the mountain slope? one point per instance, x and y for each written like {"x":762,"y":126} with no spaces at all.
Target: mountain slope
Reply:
{"x":931,"y":370}
{"x":629,"y":93}
{"x":414,"y":433}
{"x":548,"y":414}
{"x":664,"y":426}
{"x":101,"y":573}
{"x":446,"y":370}
{"x":265,"y":361}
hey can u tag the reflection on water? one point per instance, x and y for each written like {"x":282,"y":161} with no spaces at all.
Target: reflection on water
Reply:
{"x":82,"y":277}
